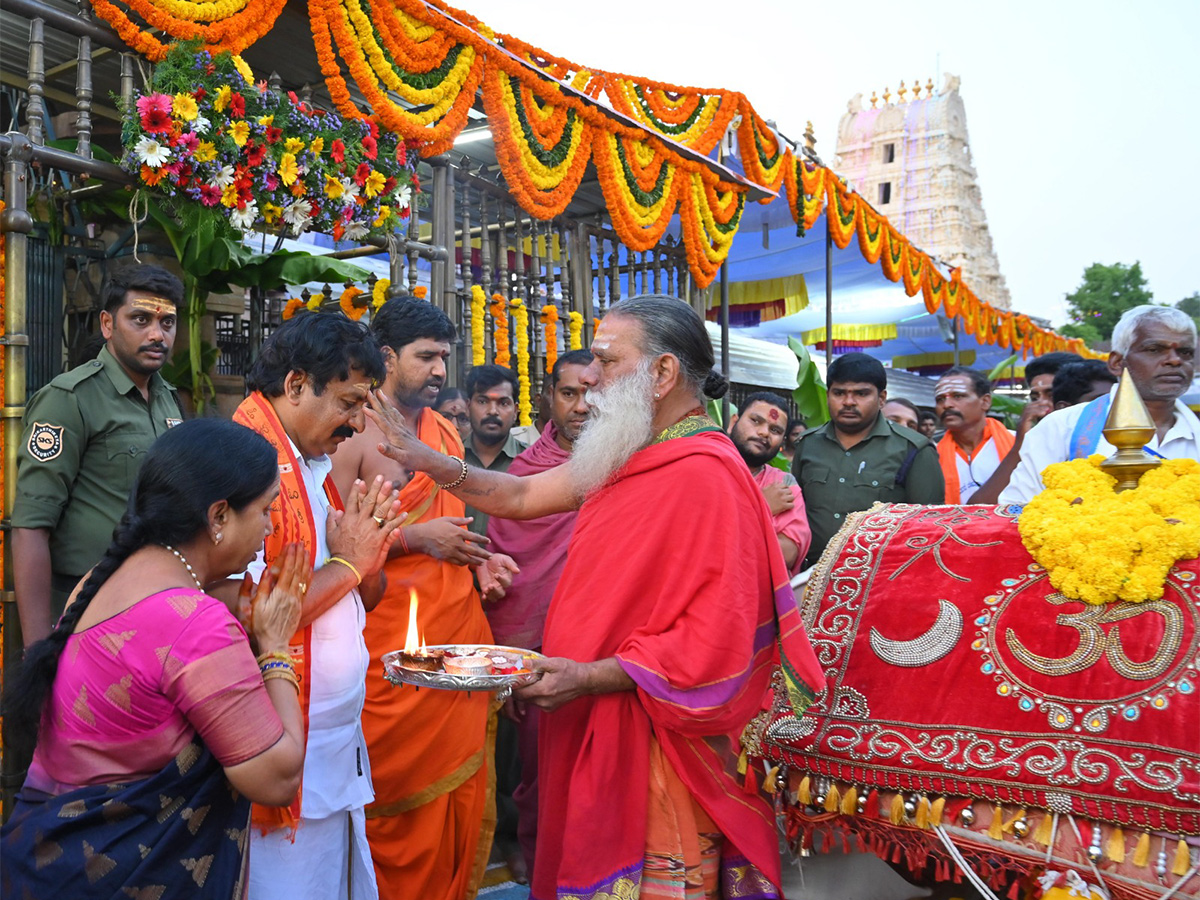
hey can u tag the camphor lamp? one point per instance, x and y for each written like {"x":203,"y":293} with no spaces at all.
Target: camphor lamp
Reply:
{"x":1128,"y":428}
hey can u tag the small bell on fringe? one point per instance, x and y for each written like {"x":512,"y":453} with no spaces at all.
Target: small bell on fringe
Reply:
{"x":1094,"y":851}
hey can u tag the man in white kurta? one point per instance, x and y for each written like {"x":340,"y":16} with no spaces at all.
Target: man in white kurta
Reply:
{"x":1157,"y":346}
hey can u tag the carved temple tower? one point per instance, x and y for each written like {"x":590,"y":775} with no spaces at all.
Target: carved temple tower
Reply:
{"x":909,"y":156}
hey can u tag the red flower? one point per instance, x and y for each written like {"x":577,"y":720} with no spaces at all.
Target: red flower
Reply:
{"x":401,"y":153}
{"x":416,"y":184}
{"x":361,"y":174}
{"x":199,"y":94}
{"x":155,"y":112}
{"x":254,"y":153}
{"x":274,"y":135}
{"x":374,"y":128}
{"x":272,"y":182}
{"x":337,"y":151}
{"x":370,"y":146}
{"x":389,"y":186}
{"x":292,"y":96}
{"x":210,"y":194}
{"x":237,"y":106}
{"x":338,"y":231}
{"x":210,"y":69}
{"x":404,"y":214}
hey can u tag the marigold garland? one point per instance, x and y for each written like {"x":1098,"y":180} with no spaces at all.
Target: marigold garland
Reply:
{"x":521,"y":325}
{"x":641,"y":188}
{"x":764,"y":156}
{"x":499,"y":310}
{"x":379,"y":292}
{"x":351,"y":305}
{"x":1099,"y":546}
{"x":420,"y":292}
{"x":694,"y":119}
{"x":710,"y":212}
{"x":575,"y":330}
{"x":478,"y":301}
{"x":231,"y":25}
{"x":293,"y":306}
{"x":549,"y":320}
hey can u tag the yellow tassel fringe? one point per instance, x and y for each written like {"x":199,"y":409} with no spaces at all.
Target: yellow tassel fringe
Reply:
{"x":935,"y":812}
{"x":897,"y":813}
{"x":804,"y":792}
{"x":1183,"y":859}
{"x":1141,"y":853}
{"x":850,"y":801}
{"x":832,"y":799}
{"x":1115,"y":849}
{"x":996,"y":829}
{"x":1045,"y":830}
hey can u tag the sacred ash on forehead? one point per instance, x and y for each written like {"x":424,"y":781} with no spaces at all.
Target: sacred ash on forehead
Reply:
{"x":954,"y":383}
{"x":156,"y":305}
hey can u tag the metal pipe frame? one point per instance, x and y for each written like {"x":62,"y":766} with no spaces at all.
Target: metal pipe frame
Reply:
{"x":64,"y":21}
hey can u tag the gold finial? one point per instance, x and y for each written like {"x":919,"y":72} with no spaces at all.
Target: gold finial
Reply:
{"x":887,"y":95}
{"x":1128,"y":428}
{"x":874,"y":99}
{"x":810,"y":138}
{"x":929,"y":88}
{"x":903,"y":90}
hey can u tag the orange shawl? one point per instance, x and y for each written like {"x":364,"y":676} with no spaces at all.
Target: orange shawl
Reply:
{"x":291,"y":517}
{"x":948,"y":453}
{"x":425,"y":743}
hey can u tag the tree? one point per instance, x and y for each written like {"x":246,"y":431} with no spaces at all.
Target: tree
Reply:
{"x":1106,"y":292}
{"x":1191,"y":306}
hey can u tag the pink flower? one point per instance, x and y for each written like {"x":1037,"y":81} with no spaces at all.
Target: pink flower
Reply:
{"x":189,"y":140}
{"x":155,"y":112}
{"x":210,"y":195}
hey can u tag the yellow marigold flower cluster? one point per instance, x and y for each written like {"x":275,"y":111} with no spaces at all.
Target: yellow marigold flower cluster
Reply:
{"x":1099,"y":546}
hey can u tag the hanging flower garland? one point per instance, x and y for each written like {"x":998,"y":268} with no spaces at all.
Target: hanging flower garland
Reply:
{"x":1099,"y":546}
{"x":575,"y":330}
{"x":379,"y":292}
{"x":499,"y":310}
{"x":871,"y":231}
{"x":293,"y":306}
{"x":710,"y":212}
{"x":542,"y":148}
{"x":521,"y":325}
{"x":693,"y":119}
{"x":350,"y":303}
{"x":549,"y":320}
{"x":641,"y":188}
{"x":895,"y":252}
{"x":933,"y":288}
{"x":764,"y":156}
{"x":436,"y":101}
{"x":223,"y":25}
{"x":582,"y":79}
{"x":478,"y":300}
{"x":841,"y":210}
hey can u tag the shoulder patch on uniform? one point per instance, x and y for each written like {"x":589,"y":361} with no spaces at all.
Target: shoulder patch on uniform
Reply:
{"x":68,"y":381}
{"x":45,"y":441}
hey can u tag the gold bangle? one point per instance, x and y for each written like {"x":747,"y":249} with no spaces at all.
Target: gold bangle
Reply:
{"x":460,"y":479}
{"x":349,"y":565}
{"x":274,"y":655}
{"x":286,"y":676}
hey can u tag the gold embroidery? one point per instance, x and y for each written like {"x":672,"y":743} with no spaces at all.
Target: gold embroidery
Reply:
{"x":187,"y":757}
{"x":153,"y":892}
{"x":45,"y":852}
{"x":169,"y":807}
{"x":96,"y":865}
{"x":194,"y":817}
{"x":81,"y":707}
{"x":199,"y":868}
{"x":114,"y":642}
{"x":73,"y":809}
{"x":118,"y":693}
{"x":686,"y":428}
{"x":624,"y":888}
{"x":184,"y":604}
{"x":443,"y":785}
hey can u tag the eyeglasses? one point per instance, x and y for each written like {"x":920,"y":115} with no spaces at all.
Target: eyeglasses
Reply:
{"x":460,"y":419}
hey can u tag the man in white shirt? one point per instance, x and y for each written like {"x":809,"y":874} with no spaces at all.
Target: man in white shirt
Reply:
{"x":308,"y":388}
{"x":1157,"y":344}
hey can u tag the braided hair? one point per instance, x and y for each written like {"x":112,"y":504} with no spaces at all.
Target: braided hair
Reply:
{"x":189,"y":468}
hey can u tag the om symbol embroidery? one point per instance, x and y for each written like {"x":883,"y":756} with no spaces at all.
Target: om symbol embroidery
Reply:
{"x":1095,"y":643}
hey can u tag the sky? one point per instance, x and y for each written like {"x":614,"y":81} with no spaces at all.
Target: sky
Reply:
{"x":1075,"y":110}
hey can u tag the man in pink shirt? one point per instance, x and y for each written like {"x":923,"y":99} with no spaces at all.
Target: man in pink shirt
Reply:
{"x":758,"y":431}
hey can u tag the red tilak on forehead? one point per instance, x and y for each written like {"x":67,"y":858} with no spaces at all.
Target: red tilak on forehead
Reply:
{"x":774,"y":414}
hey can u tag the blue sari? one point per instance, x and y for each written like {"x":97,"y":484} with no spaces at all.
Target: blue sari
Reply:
{"x":180,"y":833}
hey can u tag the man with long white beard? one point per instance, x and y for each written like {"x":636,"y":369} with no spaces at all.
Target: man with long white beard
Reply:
{"x":659,"y":638}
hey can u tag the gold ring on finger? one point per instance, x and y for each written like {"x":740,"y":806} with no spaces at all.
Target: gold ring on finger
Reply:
{"x":379,"y":520}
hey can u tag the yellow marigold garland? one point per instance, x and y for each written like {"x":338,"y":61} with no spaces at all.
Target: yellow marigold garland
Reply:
{"x":314,"y":302}
{"x":549,"y":320}
{"x":478,"y":300}
{"x":521,"y":324}
{"x":709,"y":213}
{"x":379,"y":292}
{"x":1099,"y":546}
{"x":499,"y":310}
{"x":575,"y":331}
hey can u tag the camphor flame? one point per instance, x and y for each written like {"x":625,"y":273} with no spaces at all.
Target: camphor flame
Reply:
{"x":413,"y":642}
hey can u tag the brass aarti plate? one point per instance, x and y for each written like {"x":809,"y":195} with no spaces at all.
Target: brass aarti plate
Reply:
{"x":398,"y":674}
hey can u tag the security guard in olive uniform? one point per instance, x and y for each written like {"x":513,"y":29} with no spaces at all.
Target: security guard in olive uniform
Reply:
{"x":859,"y":457}
{"x":86,"y":434}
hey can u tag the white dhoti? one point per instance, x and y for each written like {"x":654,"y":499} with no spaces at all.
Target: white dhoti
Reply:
{"x":330,"y":860}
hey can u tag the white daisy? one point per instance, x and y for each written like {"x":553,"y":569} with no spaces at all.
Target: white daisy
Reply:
{"x":224,"y":178}
{"x":244,"y":218}
{"x":151,"y":152}
{"x":200,"y":125}
{"x":402,"y":196}
{"x":356,"y":231}
{"x":350,"y":190}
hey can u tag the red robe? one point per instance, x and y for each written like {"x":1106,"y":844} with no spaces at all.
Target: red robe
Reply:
{"x":674,"y":569}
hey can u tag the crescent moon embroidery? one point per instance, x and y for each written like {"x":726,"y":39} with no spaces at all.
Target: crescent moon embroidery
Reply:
{"x":931,"y":646}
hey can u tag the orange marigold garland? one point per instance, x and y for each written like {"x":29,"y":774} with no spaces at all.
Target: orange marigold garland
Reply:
{"x":842,"y":211}
{"x":764,"y":156}
{"x":895,"y":252}
{"x":692,"y":118}
{"x":641,"y":187}
{"x":499,"y":310}
{"x":231,"y":25}
{"x":872,"y":230}
{"x":351,"y":305}
{"x":549,"y":320}
{"x":709,"y":211}
{"x":542,"y":147}
{"x":293,"y":306}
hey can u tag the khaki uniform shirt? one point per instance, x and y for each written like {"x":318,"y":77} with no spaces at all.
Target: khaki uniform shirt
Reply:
{"x":511,"y":450}
{"x":86,"y":434}
{"x":836,"y":481}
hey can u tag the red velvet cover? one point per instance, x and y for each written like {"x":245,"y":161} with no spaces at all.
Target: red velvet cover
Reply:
{"x":955,"y":669}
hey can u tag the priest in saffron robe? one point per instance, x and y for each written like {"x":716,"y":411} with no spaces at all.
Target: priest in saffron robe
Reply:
{"x":539,"y":548}
{"x":660,"y":638}
{"x":431,"y":822}
{"x":308,"y":387}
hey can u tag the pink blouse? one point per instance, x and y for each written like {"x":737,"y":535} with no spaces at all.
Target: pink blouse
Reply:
{"x":133,"y":690}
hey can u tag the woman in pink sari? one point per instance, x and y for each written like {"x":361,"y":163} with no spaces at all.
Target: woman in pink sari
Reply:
{"x":155,"y":725}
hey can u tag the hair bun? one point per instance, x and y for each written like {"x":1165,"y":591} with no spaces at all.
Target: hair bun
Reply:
{"x":715,"y":385}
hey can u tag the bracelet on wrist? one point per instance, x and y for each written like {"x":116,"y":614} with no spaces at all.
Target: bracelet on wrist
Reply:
{"x":461,"y":477}
{"x":349,"y":565}
{"x":403,"y":541}
{"x":279,"y":655}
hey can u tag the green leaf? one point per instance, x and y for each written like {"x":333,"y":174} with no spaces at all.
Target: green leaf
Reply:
{"x":1000,"y":368}
{"x":810,"y":392}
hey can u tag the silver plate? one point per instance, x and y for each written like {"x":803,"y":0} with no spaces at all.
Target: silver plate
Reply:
{"x":446,"y":681}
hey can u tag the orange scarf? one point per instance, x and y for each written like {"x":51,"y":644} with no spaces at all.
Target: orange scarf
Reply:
{"x":948,"y":453}
{"x":292,"y":519}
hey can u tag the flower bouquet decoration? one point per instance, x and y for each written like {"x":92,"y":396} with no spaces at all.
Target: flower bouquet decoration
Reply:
{"x":214,"y":145}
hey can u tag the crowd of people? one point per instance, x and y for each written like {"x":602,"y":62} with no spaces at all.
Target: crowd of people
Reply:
{"x":209,"y":711}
